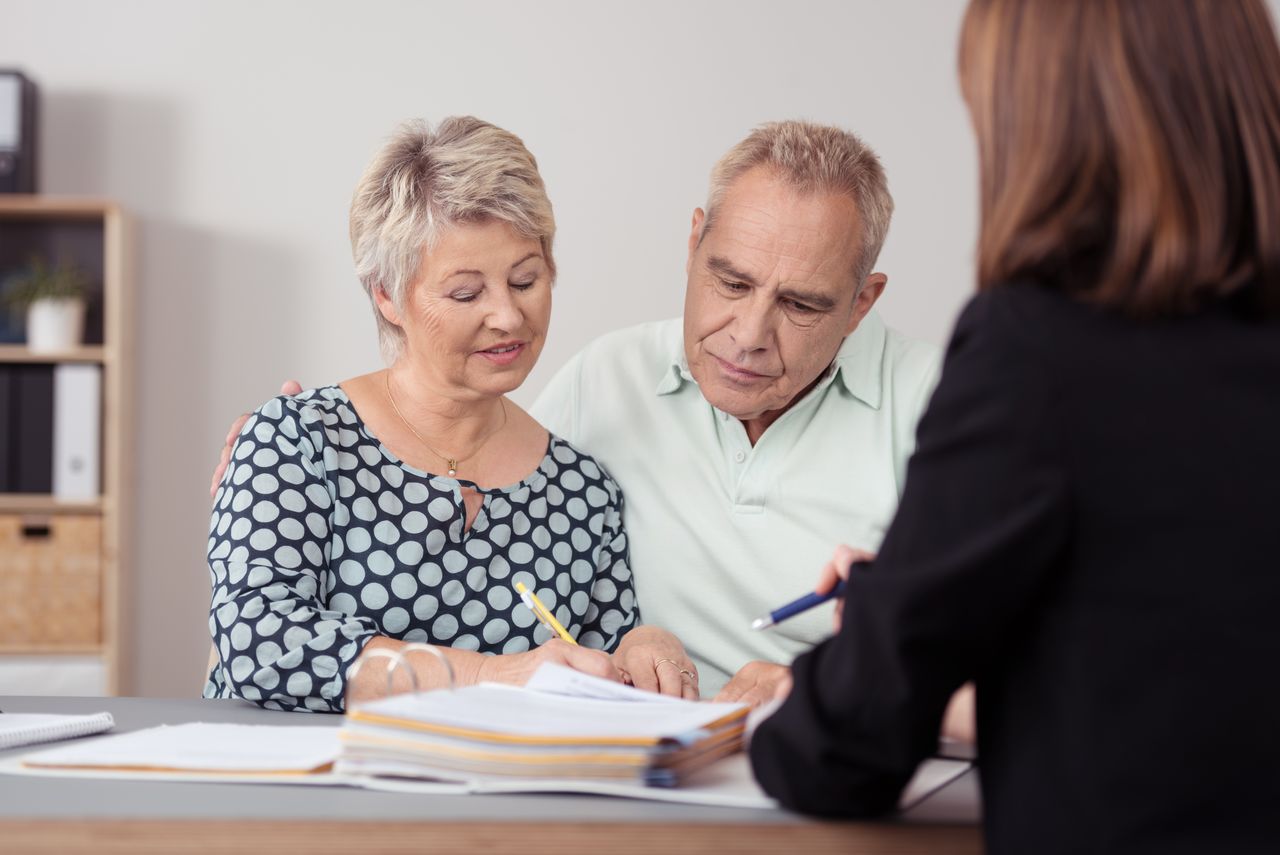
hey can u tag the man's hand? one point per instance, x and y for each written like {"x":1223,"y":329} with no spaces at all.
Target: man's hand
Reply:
{"x":656,"y":661}
{"x":290,"y":387}
{"x":757,"y":683}
{"x":836,"y":569}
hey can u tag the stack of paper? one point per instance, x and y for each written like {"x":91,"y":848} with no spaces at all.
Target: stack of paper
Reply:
{"x":564,"y":725}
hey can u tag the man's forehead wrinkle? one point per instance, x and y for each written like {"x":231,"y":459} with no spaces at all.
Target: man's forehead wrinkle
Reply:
{"x":760,"y":232}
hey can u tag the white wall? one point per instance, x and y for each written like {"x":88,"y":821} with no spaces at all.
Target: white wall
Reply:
{"x":234,"y":133}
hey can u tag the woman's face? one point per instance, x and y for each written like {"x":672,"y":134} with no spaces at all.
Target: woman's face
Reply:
{"x":476,"y":318}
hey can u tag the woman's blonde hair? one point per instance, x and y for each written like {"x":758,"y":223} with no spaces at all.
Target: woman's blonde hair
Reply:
{"x":424,"y":181}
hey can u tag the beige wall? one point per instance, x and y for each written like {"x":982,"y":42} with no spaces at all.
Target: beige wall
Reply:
{"x":234,"y":133}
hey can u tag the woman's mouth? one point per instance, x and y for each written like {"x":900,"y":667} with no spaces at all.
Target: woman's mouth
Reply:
{"x":505,"y":353}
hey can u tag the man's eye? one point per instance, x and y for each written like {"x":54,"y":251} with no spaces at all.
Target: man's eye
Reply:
{"x":735,"y":287}
{"x":799,"y":308}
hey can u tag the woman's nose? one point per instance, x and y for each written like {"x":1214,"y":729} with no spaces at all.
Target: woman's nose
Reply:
{"x":504,"y":313}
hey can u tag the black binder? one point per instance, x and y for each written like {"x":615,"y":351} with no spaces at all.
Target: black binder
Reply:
{"x":31,"y":430}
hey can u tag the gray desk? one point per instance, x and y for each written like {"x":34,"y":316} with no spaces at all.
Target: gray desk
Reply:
{"x":99,"y":816}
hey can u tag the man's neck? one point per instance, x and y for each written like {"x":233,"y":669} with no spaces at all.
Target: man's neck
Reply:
{"x":756,"y":426}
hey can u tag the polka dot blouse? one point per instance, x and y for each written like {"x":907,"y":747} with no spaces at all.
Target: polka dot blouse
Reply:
{"x":321,"y":539}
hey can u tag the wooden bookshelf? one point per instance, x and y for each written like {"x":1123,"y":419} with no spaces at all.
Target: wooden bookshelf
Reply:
{"x":21,"y":353}
{"x":94,"y":234}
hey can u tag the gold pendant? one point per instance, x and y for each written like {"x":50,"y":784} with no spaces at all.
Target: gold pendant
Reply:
{"x":453,"y":468}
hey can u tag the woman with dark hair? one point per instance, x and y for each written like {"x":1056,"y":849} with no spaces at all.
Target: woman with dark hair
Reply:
{"x":1088,"y":529}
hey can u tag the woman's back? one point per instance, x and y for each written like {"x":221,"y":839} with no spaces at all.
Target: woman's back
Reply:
{"x":1137,"y":699}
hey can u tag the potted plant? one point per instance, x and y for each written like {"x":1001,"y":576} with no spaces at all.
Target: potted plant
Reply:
{"x":53,"y":298}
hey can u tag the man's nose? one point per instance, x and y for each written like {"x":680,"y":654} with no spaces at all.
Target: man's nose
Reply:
{"x":752,"y":327}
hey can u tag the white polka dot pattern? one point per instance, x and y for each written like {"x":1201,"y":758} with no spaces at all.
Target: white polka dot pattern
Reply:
{"x":321,"y":539}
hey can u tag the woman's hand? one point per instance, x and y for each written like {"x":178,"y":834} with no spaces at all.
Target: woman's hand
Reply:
{"x":290,"y":387}
{"x":517,"y":668}
{"x":656,"y":661}
{"x":959,"y":722}
{"x":835,"y":570}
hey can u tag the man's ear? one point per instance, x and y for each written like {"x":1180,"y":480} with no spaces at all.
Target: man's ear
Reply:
{"x":386,"y":306}
{"x":871,"y":291}
{"x":695,"y":237}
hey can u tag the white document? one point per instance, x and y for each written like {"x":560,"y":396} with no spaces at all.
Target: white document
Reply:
{"x":559,"y":680}
{"x":515,"y":711}
{"x":725,"y":783}
{"x":250,"y":749}
{"x":77,"y":430}
{"x":29,"y":728}
{"x":931,"y":776}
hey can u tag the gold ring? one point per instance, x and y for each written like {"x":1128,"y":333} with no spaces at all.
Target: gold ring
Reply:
{"x":693,"y":678}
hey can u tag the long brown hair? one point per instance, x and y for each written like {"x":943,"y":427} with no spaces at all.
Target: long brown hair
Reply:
{"x":1134,"y":141}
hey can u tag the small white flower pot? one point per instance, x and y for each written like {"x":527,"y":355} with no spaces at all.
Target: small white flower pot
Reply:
{"x":55,"y":325}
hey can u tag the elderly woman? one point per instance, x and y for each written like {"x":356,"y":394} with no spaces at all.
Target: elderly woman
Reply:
{"x":403,"y":506}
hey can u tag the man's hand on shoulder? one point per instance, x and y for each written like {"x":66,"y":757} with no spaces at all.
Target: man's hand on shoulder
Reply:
{"x":757,"y":683}
{"x":290,"y":387}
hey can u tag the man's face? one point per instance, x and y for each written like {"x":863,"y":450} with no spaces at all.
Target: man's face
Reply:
{"x":771,"y":293}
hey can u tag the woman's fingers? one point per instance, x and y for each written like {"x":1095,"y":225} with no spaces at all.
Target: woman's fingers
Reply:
{"x":594,"y":662}
{"x":827,"y":578}
{"x":670,"y":679}
{"x":838,"y":566}
{"x":640,"y":669}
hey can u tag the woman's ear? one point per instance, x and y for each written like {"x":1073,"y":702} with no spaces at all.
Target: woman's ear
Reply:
{"x":386,"y":306}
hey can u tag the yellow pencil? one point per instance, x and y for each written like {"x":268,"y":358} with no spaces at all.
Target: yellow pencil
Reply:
{"x":542,"y":613}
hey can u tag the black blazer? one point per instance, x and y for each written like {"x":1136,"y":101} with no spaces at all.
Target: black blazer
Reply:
{"x":1090,"y":529}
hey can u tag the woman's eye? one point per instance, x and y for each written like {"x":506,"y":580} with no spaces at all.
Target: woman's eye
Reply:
{"x":524,"y":286}
{"x":464,"y":297}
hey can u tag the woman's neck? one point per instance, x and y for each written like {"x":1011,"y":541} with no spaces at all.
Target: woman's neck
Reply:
{"x":450,"y":421}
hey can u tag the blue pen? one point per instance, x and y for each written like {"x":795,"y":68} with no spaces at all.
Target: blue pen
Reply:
{"x":805,"y":603}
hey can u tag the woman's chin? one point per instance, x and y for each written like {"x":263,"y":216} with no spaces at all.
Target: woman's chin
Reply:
{"x":499,"y":382}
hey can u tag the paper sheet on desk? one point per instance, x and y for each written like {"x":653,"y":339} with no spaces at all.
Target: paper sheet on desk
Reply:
{"x":200,"y":748}
{"x":289,"y":750}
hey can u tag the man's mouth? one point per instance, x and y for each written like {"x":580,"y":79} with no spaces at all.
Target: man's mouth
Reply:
{"x":736,"y":373}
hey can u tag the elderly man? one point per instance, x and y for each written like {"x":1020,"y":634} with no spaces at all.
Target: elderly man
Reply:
{"x":773,"y":422}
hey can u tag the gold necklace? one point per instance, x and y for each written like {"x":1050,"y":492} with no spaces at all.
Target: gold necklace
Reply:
{"x":452,"y":462}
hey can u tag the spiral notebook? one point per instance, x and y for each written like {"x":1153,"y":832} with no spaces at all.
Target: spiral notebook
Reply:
{"x":29,"y":729}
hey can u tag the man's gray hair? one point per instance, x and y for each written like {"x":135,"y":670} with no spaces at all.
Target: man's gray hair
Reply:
{"x":815,"y":159}
{"x":424,"y":181}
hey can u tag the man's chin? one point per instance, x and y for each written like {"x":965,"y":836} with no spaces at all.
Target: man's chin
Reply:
{"x":737,"y":405}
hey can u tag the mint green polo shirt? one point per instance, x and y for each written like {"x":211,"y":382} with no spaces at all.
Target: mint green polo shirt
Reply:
{"x":722,"y":532}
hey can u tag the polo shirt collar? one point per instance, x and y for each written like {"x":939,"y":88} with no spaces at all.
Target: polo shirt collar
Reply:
{"x":860,"y":360}
{"x":857,"y":364}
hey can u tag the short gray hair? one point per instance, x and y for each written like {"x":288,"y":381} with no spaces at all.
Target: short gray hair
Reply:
{"x":815,"y":158}
{"x":422,"y":182}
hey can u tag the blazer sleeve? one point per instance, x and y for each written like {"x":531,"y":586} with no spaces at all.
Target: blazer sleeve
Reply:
{"x":980,"y":529}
